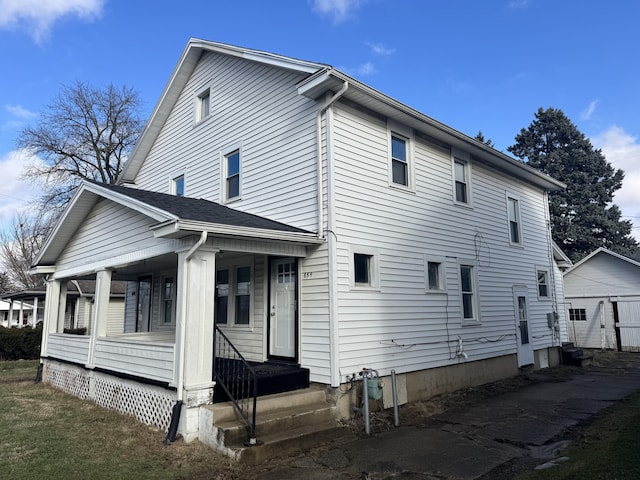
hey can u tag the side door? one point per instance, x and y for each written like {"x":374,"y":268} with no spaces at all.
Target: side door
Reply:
{"x":523,"y":337}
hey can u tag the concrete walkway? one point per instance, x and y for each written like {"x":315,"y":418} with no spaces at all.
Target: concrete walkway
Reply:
{"x":491,"y":438}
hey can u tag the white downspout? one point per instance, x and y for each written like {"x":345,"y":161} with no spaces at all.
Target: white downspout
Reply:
{"x":331,"y":249}
{"x":203,"y":238}
{"x":327,"y":104}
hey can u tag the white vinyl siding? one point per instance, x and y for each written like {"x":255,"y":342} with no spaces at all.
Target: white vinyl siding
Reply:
{"x":110,"y":230}
{"x":398,"y":326}
{"x":254,"y":105}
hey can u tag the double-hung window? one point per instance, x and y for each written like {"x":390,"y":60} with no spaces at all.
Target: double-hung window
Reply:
{"x":543,"y":283}
{"x":467,"y":290}
{"x":168,"y":301}
{"x":203,"y":105}
{"x":399,"y":160}
{"x":460,"y":169}
{"x":232,"y":175}
{"x":233,"y":296}
{"x":513,"y":212}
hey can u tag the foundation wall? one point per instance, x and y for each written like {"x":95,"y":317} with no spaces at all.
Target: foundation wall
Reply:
{"x":425,"y":384}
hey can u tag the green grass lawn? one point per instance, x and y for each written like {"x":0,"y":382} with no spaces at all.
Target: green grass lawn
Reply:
{"x":47,"y":434}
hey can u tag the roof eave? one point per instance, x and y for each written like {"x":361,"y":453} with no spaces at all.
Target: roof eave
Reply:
{"x":181,"y":228}
{"x":331,"y":79}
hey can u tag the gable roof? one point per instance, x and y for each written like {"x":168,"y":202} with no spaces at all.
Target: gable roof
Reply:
{"x":603,"y":251}
{"x":175,"y":217}
{"x":322,"y":78}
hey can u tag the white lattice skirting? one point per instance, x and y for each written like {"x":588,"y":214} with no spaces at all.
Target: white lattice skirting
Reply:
{"x":149,"y":404}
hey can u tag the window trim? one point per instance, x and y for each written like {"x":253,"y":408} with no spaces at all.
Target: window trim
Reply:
{"x":475,"y":319}
{"x":174,"y":185}
{"x":199,"y":102}
{"x":224,"y":170}
{"x":544,"y":270}
{"x":232,"y":293}
{"x":163,"y":300}
{"x":442,"y":277}
{"x":518,"y":220}
{"x":404,"y":133}
{"x":464,"y":159}
{"x":374,"y":269}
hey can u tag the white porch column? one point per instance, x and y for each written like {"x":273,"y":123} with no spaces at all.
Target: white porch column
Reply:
{"x":21,"y":314}
{"x":62,"y":306}
{"x":10,"y":314}
{"x":51,"y":313}
{"x":34,"y":314}
{"x":100,"y":313}
{"x":194,"y":334}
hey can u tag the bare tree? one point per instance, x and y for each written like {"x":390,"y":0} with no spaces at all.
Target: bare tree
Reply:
{"x":86,"y":133}
{"x":19,"y":248}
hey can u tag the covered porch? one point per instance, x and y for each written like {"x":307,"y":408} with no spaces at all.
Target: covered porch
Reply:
{"x":181,"y":284}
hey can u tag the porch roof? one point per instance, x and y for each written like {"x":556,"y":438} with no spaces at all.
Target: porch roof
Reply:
{"x":175,"y":216}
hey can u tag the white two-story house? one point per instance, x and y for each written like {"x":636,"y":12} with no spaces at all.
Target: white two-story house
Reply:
{"x":312,"y":221}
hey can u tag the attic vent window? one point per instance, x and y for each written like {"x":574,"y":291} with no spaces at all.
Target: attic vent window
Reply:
{"x":203,"y":105}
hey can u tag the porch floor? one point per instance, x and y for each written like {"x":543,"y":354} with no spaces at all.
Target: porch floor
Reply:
{"x":273,"y":377}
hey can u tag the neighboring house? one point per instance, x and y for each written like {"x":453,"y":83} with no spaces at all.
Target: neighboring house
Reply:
{"x":602,"y":295}
{"x":16,"y":314}
{"x":77,"y":303}
{"x":322,"y":224}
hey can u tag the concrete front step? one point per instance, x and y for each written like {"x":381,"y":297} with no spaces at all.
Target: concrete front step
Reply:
{"x":269,"y":423}
{"x":224,"y":412}
{"x":285,"y":422}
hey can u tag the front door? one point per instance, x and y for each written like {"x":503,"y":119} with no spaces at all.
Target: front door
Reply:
{"x":282,"y":308}
{"x":525,"y":348}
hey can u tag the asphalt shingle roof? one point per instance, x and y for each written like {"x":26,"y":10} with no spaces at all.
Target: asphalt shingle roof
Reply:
{"x":197,"y":209}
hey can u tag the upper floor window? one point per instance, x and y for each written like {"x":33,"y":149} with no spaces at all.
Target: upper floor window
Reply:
{"x":232,"y":175}
{"x":203,"y":105}
{"x":461,"y":181}
{"x":178,"y":186}
{"x":543,"y":283}
{"x":399,"y":160}
{"x":513,"y":211}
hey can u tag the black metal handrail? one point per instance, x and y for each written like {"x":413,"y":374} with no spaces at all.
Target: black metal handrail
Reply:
{"x":238,"y":380}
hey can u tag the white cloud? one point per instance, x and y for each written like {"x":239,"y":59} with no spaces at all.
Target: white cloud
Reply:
{"x":518,"y":4}
{"x":363,"y":70}
{"x":339,"y":10}
{"x":380,"y":49}
{"x":589,"y":111}
{"x":623,"y":151}
{"x":20,"y":112}
{"x":15,"y":193}
{"x":38,"y":16}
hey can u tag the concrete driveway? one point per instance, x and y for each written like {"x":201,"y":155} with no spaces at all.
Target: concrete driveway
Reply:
{"x":488,"y":438}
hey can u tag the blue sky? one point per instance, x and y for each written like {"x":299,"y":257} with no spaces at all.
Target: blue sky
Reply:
{"x":474,"y":65}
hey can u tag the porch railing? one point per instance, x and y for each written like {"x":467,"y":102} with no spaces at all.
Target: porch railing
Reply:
{"x":238,"y":380}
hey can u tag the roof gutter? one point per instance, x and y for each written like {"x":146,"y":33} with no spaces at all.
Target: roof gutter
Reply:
{"x":324,"y":108}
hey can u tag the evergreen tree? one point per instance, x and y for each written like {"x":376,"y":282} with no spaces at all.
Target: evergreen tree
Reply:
{"x":480,"y":137}
{"x":583,"y":217}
